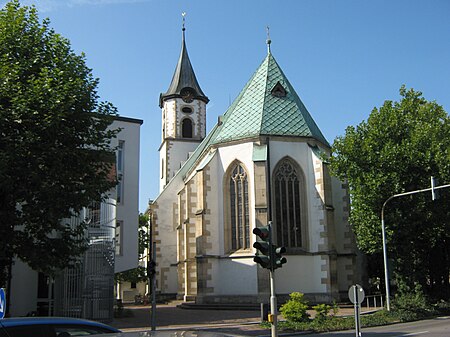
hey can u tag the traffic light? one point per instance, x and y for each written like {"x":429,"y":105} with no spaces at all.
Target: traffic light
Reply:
{"x":263,"y":245}
{"x":151,"y":268}
{"x":278,"y":260}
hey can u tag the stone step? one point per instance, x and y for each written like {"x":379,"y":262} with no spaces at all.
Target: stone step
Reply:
{"x":195,"y":306}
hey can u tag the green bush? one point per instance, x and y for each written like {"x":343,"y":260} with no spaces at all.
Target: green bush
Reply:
{"x":322,"y":311}
{"x":295,"y":308}
{"x":442,"y":307}
{"x":335,"y":308}
{"x":412,"y":305}
{"x":382,"y":317}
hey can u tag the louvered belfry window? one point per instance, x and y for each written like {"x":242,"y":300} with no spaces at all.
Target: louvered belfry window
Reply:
{"x":240,"y":238}
{"x":186,"y":128}
{"x":288,"y":190}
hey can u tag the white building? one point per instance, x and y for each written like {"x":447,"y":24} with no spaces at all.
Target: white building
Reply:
{"x":262,"y":161}
{"x":127,"y":221}
{"x":87,"y":291}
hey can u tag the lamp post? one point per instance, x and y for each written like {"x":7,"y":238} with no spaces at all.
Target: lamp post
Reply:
{"x":386,"y":272}
{"x":383,"y":231}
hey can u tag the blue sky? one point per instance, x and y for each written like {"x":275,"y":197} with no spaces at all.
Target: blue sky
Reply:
{"x":343,"y":57}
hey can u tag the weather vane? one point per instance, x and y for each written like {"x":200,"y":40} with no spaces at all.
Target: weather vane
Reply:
{"x":269,"y":41}
{"x":183,"y":15}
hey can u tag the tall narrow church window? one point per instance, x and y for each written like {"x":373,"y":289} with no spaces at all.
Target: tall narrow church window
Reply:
{"x":186,"y":128}
{"x":239,"y":217}
{"x":289,"y":191}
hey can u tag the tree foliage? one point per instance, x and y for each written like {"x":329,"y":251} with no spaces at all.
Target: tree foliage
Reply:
{"x":55,"y":153}
{"x":396,"y":150}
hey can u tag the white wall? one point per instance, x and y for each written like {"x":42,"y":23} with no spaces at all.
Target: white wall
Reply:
{"x":128,"y":209}
{"x":167,"y":235}
{"x":234,"y":277}
{"x":300,"y":273}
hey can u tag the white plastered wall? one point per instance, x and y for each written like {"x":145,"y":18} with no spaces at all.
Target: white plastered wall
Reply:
{"x":127,"y":210}
{"x":166,"y":227}
{"x":230,"y":276}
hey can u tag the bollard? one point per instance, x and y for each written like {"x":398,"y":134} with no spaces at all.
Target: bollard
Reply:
{"x":264,"y":312}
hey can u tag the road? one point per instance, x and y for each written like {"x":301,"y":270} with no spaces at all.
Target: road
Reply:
{"x":438,"y":327}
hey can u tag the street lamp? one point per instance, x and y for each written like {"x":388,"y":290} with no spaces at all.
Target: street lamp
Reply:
{"x":386,"y":274}
{"x":383,"y":231}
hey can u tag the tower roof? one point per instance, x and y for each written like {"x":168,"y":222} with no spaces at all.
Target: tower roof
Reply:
{"x":183,"y":77}
{"x":267,"y":106}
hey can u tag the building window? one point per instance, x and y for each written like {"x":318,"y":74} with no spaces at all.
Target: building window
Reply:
{"x":120,"y":170}
{"x":118,"y":237}
{"x":186,"y":128}
{"x":290,"y":212}
{"x":239,"y":212}
{"x":186,"y":110}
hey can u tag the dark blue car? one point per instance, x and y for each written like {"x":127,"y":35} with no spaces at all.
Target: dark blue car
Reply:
{"x":51,"y":327}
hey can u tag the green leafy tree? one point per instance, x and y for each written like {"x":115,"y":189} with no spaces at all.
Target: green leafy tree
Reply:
{"x":55,"y":153}
{"x":396,"y":150}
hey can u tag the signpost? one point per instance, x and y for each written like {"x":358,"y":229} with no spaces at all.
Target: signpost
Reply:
{"x":2,"y":303}
{"x":356,"y":296}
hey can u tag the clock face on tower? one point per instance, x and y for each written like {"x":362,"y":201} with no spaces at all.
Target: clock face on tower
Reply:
{"x":187,"y":94}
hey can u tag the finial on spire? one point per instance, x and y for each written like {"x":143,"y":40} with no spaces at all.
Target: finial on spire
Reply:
{"x":183,"y":15}
{"x":268,"y":41}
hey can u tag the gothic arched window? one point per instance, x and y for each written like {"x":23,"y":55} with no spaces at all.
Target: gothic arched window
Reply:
{"x":186,"y":128}
{"x":239,"y":211}
{"x":289,"y":197}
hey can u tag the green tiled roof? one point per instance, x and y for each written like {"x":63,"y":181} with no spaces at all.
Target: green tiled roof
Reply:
{"x":258,"y":112}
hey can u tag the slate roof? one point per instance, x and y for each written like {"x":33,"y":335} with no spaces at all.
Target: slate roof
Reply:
{"x":268,"y":106}
{"x":183,"y":77}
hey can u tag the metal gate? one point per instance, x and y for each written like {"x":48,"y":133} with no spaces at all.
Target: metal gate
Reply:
{"x":86,"y":290}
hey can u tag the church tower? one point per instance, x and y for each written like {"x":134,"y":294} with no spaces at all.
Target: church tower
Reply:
{"x":183,"y":117}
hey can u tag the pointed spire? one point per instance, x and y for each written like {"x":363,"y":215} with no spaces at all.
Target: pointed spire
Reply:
{"x":184,"y":76}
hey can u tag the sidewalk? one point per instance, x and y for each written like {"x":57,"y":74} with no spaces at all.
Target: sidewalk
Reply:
{"x":168,"y":316}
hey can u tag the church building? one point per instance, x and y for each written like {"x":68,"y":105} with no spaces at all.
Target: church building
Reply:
{"x":264,"y":160}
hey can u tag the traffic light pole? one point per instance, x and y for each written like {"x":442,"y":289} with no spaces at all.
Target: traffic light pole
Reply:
{"x":273,"y":304}
{"x":153,"y":279}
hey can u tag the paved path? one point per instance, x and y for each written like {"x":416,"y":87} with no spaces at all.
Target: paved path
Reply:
{"x":168,"y":316}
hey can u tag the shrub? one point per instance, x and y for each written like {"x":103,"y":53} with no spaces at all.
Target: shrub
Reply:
{"x":322,"y":311}
{"x":335,"y":308}
{"x":442,"y":307}
{"x":412,"y":305}
{"x":295,"y":308}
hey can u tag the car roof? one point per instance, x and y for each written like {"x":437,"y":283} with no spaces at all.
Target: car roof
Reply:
{"x":23,"y":321}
